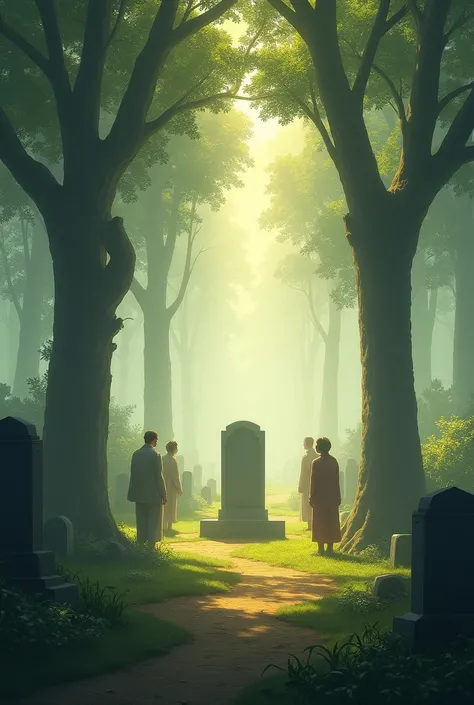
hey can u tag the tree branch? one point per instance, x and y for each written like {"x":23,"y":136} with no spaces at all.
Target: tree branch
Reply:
{"x":8,"y":276}
{"x":118,"y":21}
{"x":88,"y":85}
{"x":177,"y":108}
{"x":118,"y":274}
{"x":33,"y":177}
{"x":187,"y":29}
{"x":26,"y":247}
{"x":36,"y":56}
{"x":316,"y":322}
{"x":173,"y":229}
{"x":315,"y":117}
{"x":444,"y":102}
{"x":468,"y":155}
{"x":172,"y":308}
{"x":139,"y":292}
{"x":453,"y":150}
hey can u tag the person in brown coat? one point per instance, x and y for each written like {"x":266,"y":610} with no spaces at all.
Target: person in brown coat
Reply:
{"x":173,"y":484}
{"x":305,"y":478}
{"x":325,"y":497}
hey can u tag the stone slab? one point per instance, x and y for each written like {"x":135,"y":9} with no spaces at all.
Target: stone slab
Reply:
{"x":431,"y":632}
{"x":235,"y":529}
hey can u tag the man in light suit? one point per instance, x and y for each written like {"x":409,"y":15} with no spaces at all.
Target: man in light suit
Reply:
{"x":147,"y":489}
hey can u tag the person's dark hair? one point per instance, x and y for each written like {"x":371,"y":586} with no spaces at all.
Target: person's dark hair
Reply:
{"x":323,"y":445}
{"x":150,"y":436}
{"x":171,"y":446}
{"x":309,"y":440}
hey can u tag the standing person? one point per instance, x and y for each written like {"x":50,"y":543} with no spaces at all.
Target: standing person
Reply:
{"x":325,"y":498}
{"x":305,"y":479}
{"x":173,"y":484}
{"x":147,"y":489}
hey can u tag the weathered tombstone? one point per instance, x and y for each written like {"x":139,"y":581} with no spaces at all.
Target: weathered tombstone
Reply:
{"x":442,"y":572}
{"x":23,"y":562}
{"x":400,"y":551}
{"x":187,"y":484}
{"x":121,"y":504}
{"x":243,"y":514}
{"x":350,"y":484}
{"x":389,"y":586}
{"x":213,"y":487}
{"x":58,"y":536}
{"x":206,"y":494}
{"x":197,"y":478}
{"x":342,"y":486}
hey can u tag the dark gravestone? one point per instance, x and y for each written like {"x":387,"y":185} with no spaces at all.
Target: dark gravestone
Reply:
{"x":350,"y":481}
{"x":197,"y":478}
{"x":23,"y":562}
{"x":206,"y":494}
{"x":400,"y":551}
{"x":342,"y":485}
{"x":187,"y":484}
{"x":121,"y":503}
{"x":442,"y":572}
{"x":387,"y":587}
{"x":243,"y":514}
{"x":213,"y":487}
{"x":58,"y":536}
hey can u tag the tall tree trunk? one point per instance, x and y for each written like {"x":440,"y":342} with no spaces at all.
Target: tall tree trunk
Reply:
{"x":329,"y":419}
{"x":391,"y":478}
{"x":38,"y":272}
{"x":158,"y":409}
{"x":13,"y":328}
{"x":423,"y":313}
{"x":88,"y":291}
{"x":463,"y":367}
{"x":187,"y":388}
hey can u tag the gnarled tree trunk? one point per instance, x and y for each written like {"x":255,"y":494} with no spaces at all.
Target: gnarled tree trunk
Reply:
{"x":87,"y":293}
{"x":389,"y":486}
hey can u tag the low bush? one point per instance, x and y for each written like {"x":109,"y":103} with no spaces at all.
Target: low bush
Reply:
{"x":293,"y":501}
{"x":101,"y":602}
{"x":360,"y":601}
{"x":377,"y":668}
{"x":125,"y":550}
{"x":449,"y":459}
{"x":28,"y":624}
{"x":376,"y":552}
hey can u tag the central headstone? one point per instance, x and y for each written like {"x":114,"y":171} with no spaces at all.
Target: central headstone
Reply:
{"x":243,"y":514}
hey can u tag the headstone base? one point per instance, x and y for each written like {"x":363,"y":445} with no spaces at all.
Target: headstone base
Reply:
{"x":425,"y":632}
{"x":242,"y":514}
{"x":242,"y":529}
{"x":35,"y":573}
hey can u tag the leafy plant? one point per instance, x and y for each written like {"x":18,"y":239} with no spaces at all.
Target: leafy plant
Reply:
{"x":449,"y":459}
{"x":104,"y":603}
{"x":360,"y":601}
{"x":377,"y":667}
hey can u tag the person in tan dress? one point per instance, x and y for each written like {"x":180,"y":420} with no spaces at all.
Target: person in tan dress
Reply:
{"x":306,"y":513}
{"x":325,"y":498}
{"x":173,"y":484}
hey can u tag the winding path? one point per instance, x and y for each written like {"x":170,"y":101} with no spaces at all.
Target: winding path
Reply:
{"x":236,"y":635}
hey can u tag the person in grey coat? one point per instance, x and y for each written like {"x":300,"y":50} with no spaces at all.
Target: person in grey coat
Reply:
{"x":147,"y":489}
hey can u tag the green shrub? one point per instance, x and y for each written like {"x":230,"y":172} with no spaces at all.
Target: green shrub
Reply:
{"x":376,"y":668}
{"x":360,"y":601}
{"x":449,"y":459}
{"x":124,"y":551}
{"x":376,"y":552}
{"x":433,"y":404}
{"x":28,"y":624}
{"x":95,"y":600}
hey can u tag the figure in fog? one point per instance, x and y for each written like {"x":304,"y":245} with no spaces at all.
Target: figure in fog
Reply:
{"x":306,"y":513}
{"x":173,"y":484}
{"x":147,"y":489}
{"x":325,"y":498}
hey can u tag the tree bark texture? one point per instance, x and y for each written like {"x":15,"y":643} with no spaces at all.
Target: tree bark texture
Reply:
{"x":423,"y":311}
{"x":87,"y":293}
{"x":391,"y":478}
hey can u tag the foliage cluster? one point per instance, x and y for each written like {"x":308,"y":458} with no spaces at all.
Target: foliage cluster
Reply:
{"x":449,"y":459}
{"x":376,"y":667}
{"x":29,"y":625}
{"x":360,"y":600}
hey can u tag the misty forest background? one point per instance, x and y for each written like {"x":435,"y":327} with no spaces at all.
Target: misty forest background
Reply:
{"x":217,"y":149}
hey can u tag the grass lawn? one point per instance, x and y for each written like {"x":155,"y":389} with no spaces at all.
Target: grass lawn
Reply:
{"x":140,"y":637}
{"x":184,"y":527}
{"x":323,"y":615}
